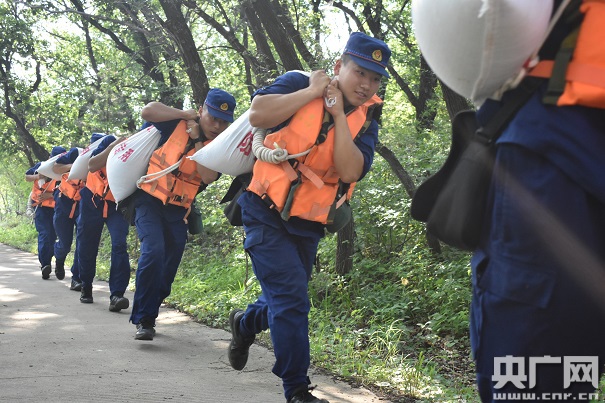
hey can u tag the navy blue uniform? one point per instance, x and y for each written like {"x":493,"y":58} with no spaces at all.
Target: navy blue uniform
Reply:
{"x":162,"y":232}
{"x":282,"y":254}
{"x":537,"y":276}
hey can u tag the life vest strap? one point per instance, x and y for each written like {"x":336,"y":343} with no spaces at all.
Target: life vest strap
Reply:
{"x":341,"y":201}
{"x":261,"y":190}
{"x":289,"y":170}
{"x":311,"y":176}
{"x":315,"y":211}
{"x":285,"y":213}
{"x":267,"y":200}
{"x":557,"y":82}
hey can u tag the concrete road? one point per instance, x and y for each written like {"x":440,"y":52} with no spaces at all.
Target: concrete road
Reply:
{"x":55,"y":349}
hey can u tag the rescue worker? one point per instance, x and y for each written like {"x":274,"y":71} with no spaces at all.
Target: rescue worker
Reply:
{"x":98,"y":207}
{"x":287,"y":205}
{"x":162,"y":205}
{"x":538,"y":273}
{"x":44,"y":204}
{"x":67,"y":202}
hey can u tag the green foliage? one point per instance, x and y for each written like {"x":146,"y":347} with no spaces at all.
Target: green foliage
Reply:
{"x":14,"y":190}
{"x":20,"y":232}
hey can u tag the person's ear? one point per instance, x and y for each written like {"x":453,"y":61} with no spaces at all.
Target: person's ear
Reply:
{"x":337,"y":66}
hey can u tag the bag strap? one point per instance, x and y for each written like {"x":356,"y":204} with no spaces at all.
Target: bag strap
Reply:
{"x":518,"y":96}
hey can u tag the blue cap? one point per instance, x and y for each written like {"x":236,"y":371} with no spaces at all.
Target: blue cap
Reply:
{"x":96,"y":136}
{"x":57,"y":150}
{"x":220,"y":104}
{"x":370,"y":53}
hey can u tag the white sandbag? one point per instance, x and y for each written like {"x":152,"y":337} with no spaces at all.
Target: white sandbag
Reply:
{"x":231,"y":151}
{"x":128,"y":161}
{"x":475,"y":46}
{"x":79,"y":169}
{"x":46,"y":167}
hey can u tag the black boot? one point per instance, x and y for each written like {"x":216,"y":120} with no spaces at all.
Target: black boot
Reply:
{"x":118,"y":302}
{"x":145,"y":330}
{"x":86,"y":295}
{"x":239,"y":345}
{"x":46,"y":271}
{"x":303,"y":395}
{"x":60,"y":269}
{"x":75,"y":285}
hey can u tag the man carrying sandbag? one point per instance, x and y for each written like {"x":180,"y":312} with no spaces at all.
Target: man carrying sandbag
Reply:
{"x":98,"y":208}
{"x":161,"y":208}
{"x":44,"y":204}
{"x":288,"y":205}
{"x":67,"y":203}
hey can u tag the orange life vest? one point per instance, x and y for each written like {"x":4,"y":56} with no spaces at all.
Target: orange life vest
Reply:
{"x":582,"y":78}
{"x":308,"y":187}
{"x":180,"y":186}
{"x":70,"y":188}
{"x":98,"y":185}
{"x":37,"y":191}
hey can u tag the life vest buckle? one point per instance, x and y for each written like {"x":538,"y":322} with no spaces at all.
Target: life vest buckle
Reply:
{"x":268,"y":202}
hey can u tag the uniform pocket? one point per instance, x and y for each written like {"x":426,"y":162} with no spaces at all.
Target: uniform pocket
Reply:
{"x":519,"y":283}
{"x":254,"y":236}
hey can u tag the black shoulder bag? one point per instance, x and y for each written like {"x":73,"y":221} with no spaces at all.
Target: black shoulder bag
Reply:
{"x":453,"y":201}
{"x":232,"y":210}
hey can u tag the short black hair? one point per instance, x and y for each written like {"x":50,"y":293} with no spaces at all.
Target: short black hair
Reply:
{"x":345,"y":58}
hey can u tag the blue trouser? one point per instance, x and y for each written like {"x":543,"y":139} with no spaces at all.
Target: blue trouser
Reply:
{"x":532,"y":294}
{"x":163,"y":234}
{"x":64,"y":220}
{"x":283,"y":265}
{"x":46,"y":234}
{"x":90,"y":228}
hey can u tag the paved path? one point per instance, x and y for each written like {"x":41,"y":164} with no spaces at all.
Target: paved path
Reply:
{"x":55,"y":349}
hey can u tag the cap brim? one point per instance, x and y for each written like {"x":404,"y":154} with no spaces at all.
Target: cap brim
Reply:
{"x":220,"y":115}
{"x":375,"y":67}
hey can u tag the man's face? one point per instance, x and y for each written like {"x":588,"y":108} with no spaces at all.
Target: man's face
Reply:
{"x":210,"y":125}
{"x":357,"y":84}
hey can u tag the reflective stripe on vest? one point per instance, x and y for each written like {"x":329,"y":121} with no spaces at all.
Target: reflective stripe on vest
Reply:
{"x":310,"y":184}
{"x":181,"y":185}
{"x":37,"y":190}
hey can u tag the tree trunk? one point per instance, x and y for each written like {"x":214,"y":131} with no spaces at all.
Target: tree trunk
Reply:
{"x":426,"y":110}
{"x":278,"y":35}
{"x":397,"y":168}
{"x":454,"y":102}
{"x":266,"y":59}
{"x":177,"y":26}
{"x":408,"y":184}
